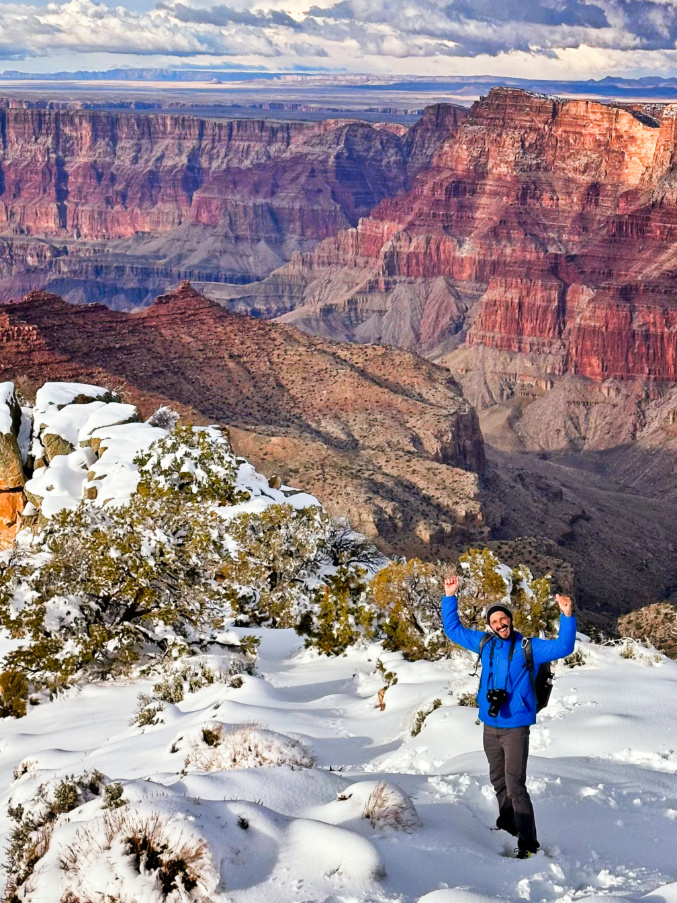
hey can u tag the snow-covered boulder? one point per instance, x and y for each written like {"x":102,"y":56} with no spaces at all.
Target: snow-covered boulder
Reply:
{"x":58,"y":395}
{"x":323,"y":850}
{"x":112,"y":414}
{"x":60,"y":434}
{"x":60,"y":485}
{"x":114,"y":476}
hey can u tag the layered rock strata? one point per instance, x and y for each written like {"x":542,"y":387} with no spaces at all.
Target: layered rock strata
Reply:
{"x":542,"y":227}
{"x":112,"y":206}
{"x":378,"y":434}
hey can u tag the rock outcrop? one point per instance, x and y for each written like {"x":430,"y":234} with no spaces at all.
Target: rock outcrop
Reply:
{"x":115,"y":206}
{"x":12,"y":478}
{"x":378,"y":434}
{"x":655,"y":624}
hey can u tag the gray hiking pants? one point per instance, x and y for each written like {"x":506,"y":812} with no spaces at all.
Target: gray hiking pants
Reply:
{"x":507,"y":750}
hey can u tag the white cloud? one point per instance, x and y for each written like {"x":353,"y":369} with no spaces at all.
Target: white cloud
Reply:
{"x":453,"y":36}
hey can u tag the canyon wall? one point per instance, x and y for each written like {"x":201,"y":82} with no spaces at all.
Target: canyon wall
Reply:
{"x":110,"y":205}
{"x":541,"y":227}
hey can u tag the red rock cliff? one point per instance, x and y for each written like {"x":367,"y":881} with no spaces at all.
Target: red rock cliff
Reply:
{"x":100,"y":175}
{"x":200,"y":198}
{"x":561,"y":216}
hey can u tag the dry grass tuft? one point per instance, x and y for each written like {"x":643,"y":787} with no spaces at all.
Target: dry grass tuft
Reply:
{"x":245,"y":746}
{"x":386,"y":808}
{"x":178,"y":863}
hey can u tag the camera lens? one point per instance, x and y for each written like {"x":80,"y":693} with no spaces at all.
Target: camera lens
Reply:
{"x":496,"y":698}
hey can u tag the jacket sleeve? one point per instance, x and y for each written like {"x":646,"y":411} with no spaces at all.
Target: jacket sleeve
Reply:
{"x":561,"y":646}
{"x":457,"y":633}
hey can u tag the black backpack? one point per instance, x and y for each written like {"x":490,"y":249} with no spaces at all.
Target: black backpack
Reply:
{"x":541,"y":680}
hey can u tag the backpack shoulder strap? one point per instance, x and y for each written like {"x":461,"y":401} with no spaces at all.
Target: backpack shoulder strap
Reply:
{"x":528,"y":652}
{"x":529,"y":661}
{"x":483,"y":642}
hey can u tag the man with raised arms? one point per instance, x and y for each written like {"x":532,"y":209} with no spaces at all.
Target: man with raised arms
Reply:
{"x":507,"y":701}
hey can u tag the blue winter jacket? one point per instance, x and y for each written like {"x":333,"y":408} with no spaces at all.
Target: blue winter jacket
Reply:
{"x":520,"y":709}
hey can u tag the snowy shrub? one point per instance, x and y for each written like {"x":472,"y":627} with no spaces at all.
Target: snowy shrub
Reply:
{"x":269,"y":576}
{"x":28,"y":843}
{"x":169,"y":690}
{"x":534,"y":608}
{"x":245,"y":746}
{"x":250,"y":646}
{"x":191,"y":462}
{"x":112,"y":796}
{"x":628,"y":649}
{"x":25,"y":766}
{"x":485,"y":581}
{"x":34,"y":822}
{"x":382,"y":804}
{"x":13,"y":694}
{"x":576,"y":660}
{"x":189,"y":678}
{"x":389,"y":807}
{"x":114,"y":580}
{"x":340,"y":615}
{"x":422,"y":714}
{"x":468,"y":699}
{"x":143,"y":857}
{"x":408,"y":601}
{"x":164,"y":418}
{"x":148,"y":711}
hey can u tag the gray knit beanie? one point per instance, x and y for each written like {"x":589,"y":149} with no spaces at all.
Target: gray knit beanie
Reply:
{"x":498,"y":606}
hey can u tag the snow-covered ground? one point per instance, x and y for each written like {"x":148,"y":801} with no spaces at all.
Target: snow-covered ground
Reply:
{"x":603,"y":777}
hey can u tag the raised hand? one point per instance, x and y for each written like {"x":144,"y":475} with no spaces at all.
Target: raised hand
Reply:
{"x":564,"y":603}
{"x":451,"y":585}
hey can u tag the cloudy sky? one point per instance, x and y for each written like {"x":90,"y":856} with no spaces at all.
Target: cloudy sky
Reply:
{"x":528,"y":38}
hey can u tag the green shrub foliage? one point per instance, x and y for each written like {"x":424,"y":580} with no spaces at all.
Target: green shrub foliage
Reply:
{"x":422,"y":714}
{"x":401,"y":606}
{"x":407,"y":598}
{"x":190,"y":462}
{"x":277,"y":559}
{"x":340,"y":615}
{"x":485,"y":581}
{"x":13,"y":694}
{"x":32,"y":825}
{"x":109,"y":583}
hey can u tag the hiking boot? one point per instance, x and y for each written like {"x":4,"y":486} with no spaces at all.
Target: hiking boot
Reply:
{"x":522,"y":854}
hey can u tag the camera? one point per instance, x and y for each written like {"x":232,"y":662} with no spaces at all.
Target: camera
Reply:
{"x":496,"y":698}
